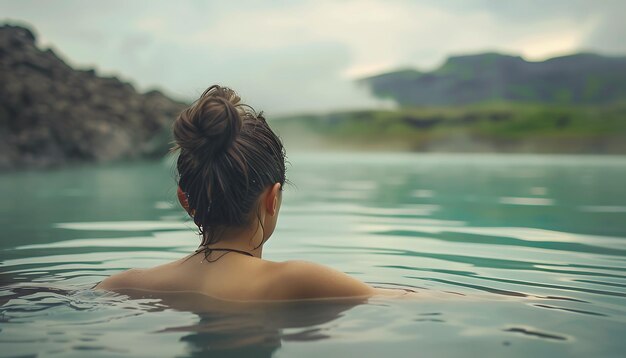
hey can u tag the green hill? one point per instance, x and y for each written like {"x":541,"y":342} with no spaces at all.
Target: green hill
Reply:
{"x":490,"y":77}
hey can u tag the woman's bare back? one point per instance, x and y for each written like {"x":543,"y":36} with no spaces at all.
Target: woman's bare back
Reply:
{"x":237,"y":277}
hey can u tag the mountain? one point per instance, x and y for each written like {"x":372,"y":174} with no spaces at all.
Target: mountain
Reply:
{"x":52,"y":114}
{"x":582,"y":78}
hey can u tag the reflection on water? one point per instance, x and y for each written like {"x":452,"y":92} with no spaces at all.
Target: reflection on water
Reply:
{"x":251,"y":328}
{"x":246,"y":329}
{"x":237,"y":328}
{"x":510,"y":255}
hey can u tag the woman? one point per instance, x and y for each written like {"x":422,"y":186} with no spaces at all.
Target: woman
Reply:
{"x":231,"y":169}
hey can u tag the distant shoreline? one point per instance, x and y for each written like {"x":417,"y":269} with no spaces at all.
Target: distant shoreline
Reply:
{"x":486,"y":128}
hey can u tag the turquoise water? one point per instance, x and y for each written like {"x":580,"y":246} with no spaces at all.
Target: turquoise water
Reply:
{"x":527,"y":252}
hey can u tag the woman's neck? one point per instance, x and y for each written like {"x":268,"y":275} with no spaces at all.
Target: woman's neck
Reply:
{"x":240,"y":239}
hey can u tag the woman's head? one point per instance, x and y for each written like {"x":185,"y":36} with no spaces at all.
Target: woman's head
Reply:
{"x":228,"y":158}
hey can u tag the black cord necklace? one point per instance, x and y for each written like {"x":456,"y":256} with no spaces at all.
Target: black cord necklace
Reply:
{"x":208,"y":250}
{"x":233,"y":250}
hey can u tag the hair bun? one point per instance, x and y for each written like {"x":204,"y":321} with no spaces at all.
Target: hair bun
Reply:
{"x":211,"y":125}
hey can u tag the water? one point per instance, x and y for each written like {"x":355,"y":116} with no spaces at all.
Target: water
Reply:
{"x":529,"y":253}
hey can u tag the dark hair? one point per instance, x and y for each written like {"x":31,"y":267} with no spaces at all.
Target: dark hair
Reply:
{"x":228,"y":156}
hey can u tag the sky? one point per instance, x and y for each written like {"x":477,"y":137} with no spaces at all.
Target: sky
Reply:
{"x":304,"y":55}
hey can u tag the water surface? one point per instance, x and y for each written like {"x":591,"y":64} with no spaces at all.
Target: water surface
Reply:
{"x":532,"y":247}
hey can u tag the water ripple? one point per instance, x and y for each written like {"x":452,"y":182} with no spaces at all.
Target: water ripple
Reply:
{"x":531,"y":249}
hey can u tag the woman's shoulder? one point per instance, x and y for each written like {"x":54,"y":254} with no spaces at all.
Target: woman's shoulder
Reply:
{"x":297,"y":279}
{"x":124,"y":279}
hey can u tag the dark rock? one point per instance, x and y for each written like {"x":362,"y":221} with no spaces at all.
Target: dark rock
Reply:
{"x":51,"y":114}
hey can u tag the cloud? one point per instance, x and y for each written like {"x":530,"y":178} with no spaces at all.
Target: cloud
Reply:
{"x":608,"y":34}
{"x":287,"y":56}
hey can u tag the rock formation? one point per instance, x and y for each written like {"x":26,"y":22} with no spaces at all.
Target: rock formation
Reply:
{"x":52,"y":114}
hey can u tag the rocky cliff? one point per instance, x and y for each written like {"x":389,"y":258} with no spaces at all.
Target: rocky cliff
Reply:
{"x":52,"y":114}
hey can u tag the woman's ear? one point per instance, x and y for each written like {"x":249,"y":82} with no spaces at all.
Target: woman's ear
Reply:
{"x":271,"y":199}
{"x":182,"y":198}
